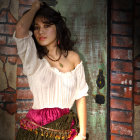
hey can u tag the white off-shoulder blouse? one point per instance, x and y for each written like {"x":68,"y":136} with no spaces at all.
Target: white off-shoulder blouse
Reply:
{"x":50,"y":87}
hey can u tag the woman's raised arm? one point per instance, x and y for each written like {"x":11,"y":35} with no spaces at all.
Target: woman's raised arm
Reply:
{"x":23,"y":25}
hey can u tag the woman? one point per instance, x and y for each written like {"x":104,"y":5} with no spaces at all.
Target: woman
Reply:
{"x":55,"y":74}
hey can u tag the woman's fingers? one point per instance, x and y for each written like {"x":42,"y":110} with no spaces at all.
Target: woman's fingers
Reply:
{"x":36,"y":4}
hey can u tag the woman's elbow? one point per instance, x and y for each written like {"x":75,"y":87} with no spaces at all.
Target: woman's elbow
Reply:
{"x":20,"y":31}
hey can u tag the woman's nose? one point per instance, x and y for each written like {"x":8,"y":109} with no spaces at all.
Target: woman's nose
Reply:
{"x":41,"y":30}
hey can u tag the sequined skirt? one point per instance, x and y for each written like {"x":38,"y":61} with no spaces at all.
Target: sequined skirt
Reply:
{"x":48,"y":124}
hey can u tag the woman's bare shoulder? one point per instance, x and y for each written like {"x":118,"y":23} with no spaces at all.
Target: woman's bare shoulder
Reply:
{"x":74,"y":57}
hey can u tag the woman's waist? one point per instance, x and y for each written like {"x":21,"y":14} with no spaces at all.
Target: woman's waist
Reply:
{"x":42,"y":117}
{"x":41,"y":104}
{"x":46,"y":115}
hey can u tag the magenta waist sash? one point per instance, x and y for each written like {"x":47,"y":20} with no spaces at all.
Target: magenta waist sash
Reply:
{"x":42,"y":117}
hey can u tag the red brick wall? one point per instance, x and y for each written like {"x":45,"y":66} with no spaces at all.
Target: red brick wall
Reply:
{"x":7,"y":54}
{"x":24,"y":95}
{"x":121,"y":71}
{"x":8,"y":57}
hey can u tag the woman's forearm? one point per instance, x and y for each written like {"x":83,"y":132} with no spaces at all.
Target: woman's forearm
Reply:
{"x":82,"y":115}
{"x":25,"y":22}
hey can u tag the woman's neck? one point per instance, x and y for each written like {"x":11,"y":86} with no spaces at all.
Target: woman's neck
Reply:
{"x":54,"y":52}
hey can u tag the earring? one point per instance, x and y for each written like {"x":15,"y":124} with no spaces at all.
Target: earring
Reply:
{"x":58,"y":42}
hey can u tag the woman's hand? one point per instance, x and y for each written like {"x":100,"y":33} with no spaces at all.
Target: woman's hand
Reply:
{"x":78,"y":138}
{"x":36,"y":5}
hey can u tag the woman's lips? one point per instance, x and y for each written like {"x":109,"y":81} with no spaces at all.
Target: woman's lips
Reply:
{"x":42,"y":38}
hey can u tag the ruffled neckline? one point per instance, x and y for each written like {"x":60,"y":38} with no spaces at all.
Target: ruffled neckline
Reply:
{"x":56,"y":70}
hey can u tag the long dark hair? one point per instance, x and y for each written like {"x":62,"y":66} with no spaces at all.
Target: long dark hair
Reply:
{"x":63,"y":33}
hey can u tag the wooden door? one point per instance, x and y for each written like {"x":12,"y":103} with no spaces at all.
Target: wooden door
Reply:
{"x":87,"y":20}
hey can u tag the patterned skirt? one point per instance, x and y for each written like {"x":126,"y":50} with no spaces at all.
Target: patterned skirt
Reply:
{"x":48,"y":124}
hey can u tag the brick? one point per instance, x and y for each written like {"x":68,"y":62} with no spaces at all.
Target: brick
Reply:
{"x":119,"y":41}
{"x":8,"y":97}
{"x":8,"y":50}
{"x":24,"y":105}
{"x":12,"y":59}
{"x":122,"y":29}
{"x":120,"y":91}
{"x":137,"y":87}
{"x":26,"y":2}
{"x":1,"y":98}
{"x":2,"y":39}
{"x":1,"y":95}
{"x":7,"y":29}
{"x":3,"y":16}
{"x":10,"y":41}
{"x":113,"y":137}
{"x":19,"y":62}
{"x":22,"y":82}
{"x":20,"y":71}
{"x":24,"y":94}
{"x":136,"y":99}
{"x":120,"y":16}
{"x":121,"y":129}
{"x":9,"y":90}
{"x":1,"y":106}
{"x":121,"y":66}
{"x":22,"y":9}
{"x":3,"y":58}
{"x":137,"y":62}
{"x":121,"y":54}
{"x":136,"y":74}
{"x":121,"y":104}
{"x":122,"y":4}
{"x":117,"y":78}
{"x":121,"y":116}
{"x":11,"y":108}
{"x":11,"y":19}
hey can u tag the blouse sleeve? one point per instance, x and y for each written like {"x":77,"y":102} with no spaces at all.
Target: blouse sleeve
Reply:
{"x":28,"y":54}
{"x":82,"y":87}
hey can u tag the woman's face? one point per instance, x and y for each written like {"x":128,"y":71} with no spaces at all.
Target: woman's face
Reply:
{"x":45,"y":34}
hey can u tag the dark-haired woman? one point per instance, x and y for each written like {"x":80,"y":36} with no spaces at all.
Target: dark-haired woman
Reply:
{"x":55,"y":74}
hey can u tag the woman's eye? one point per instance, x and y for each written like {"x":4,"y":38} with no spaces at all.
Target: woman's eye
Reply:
{"x":36,"y":28}
{"x":47,"y":25}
